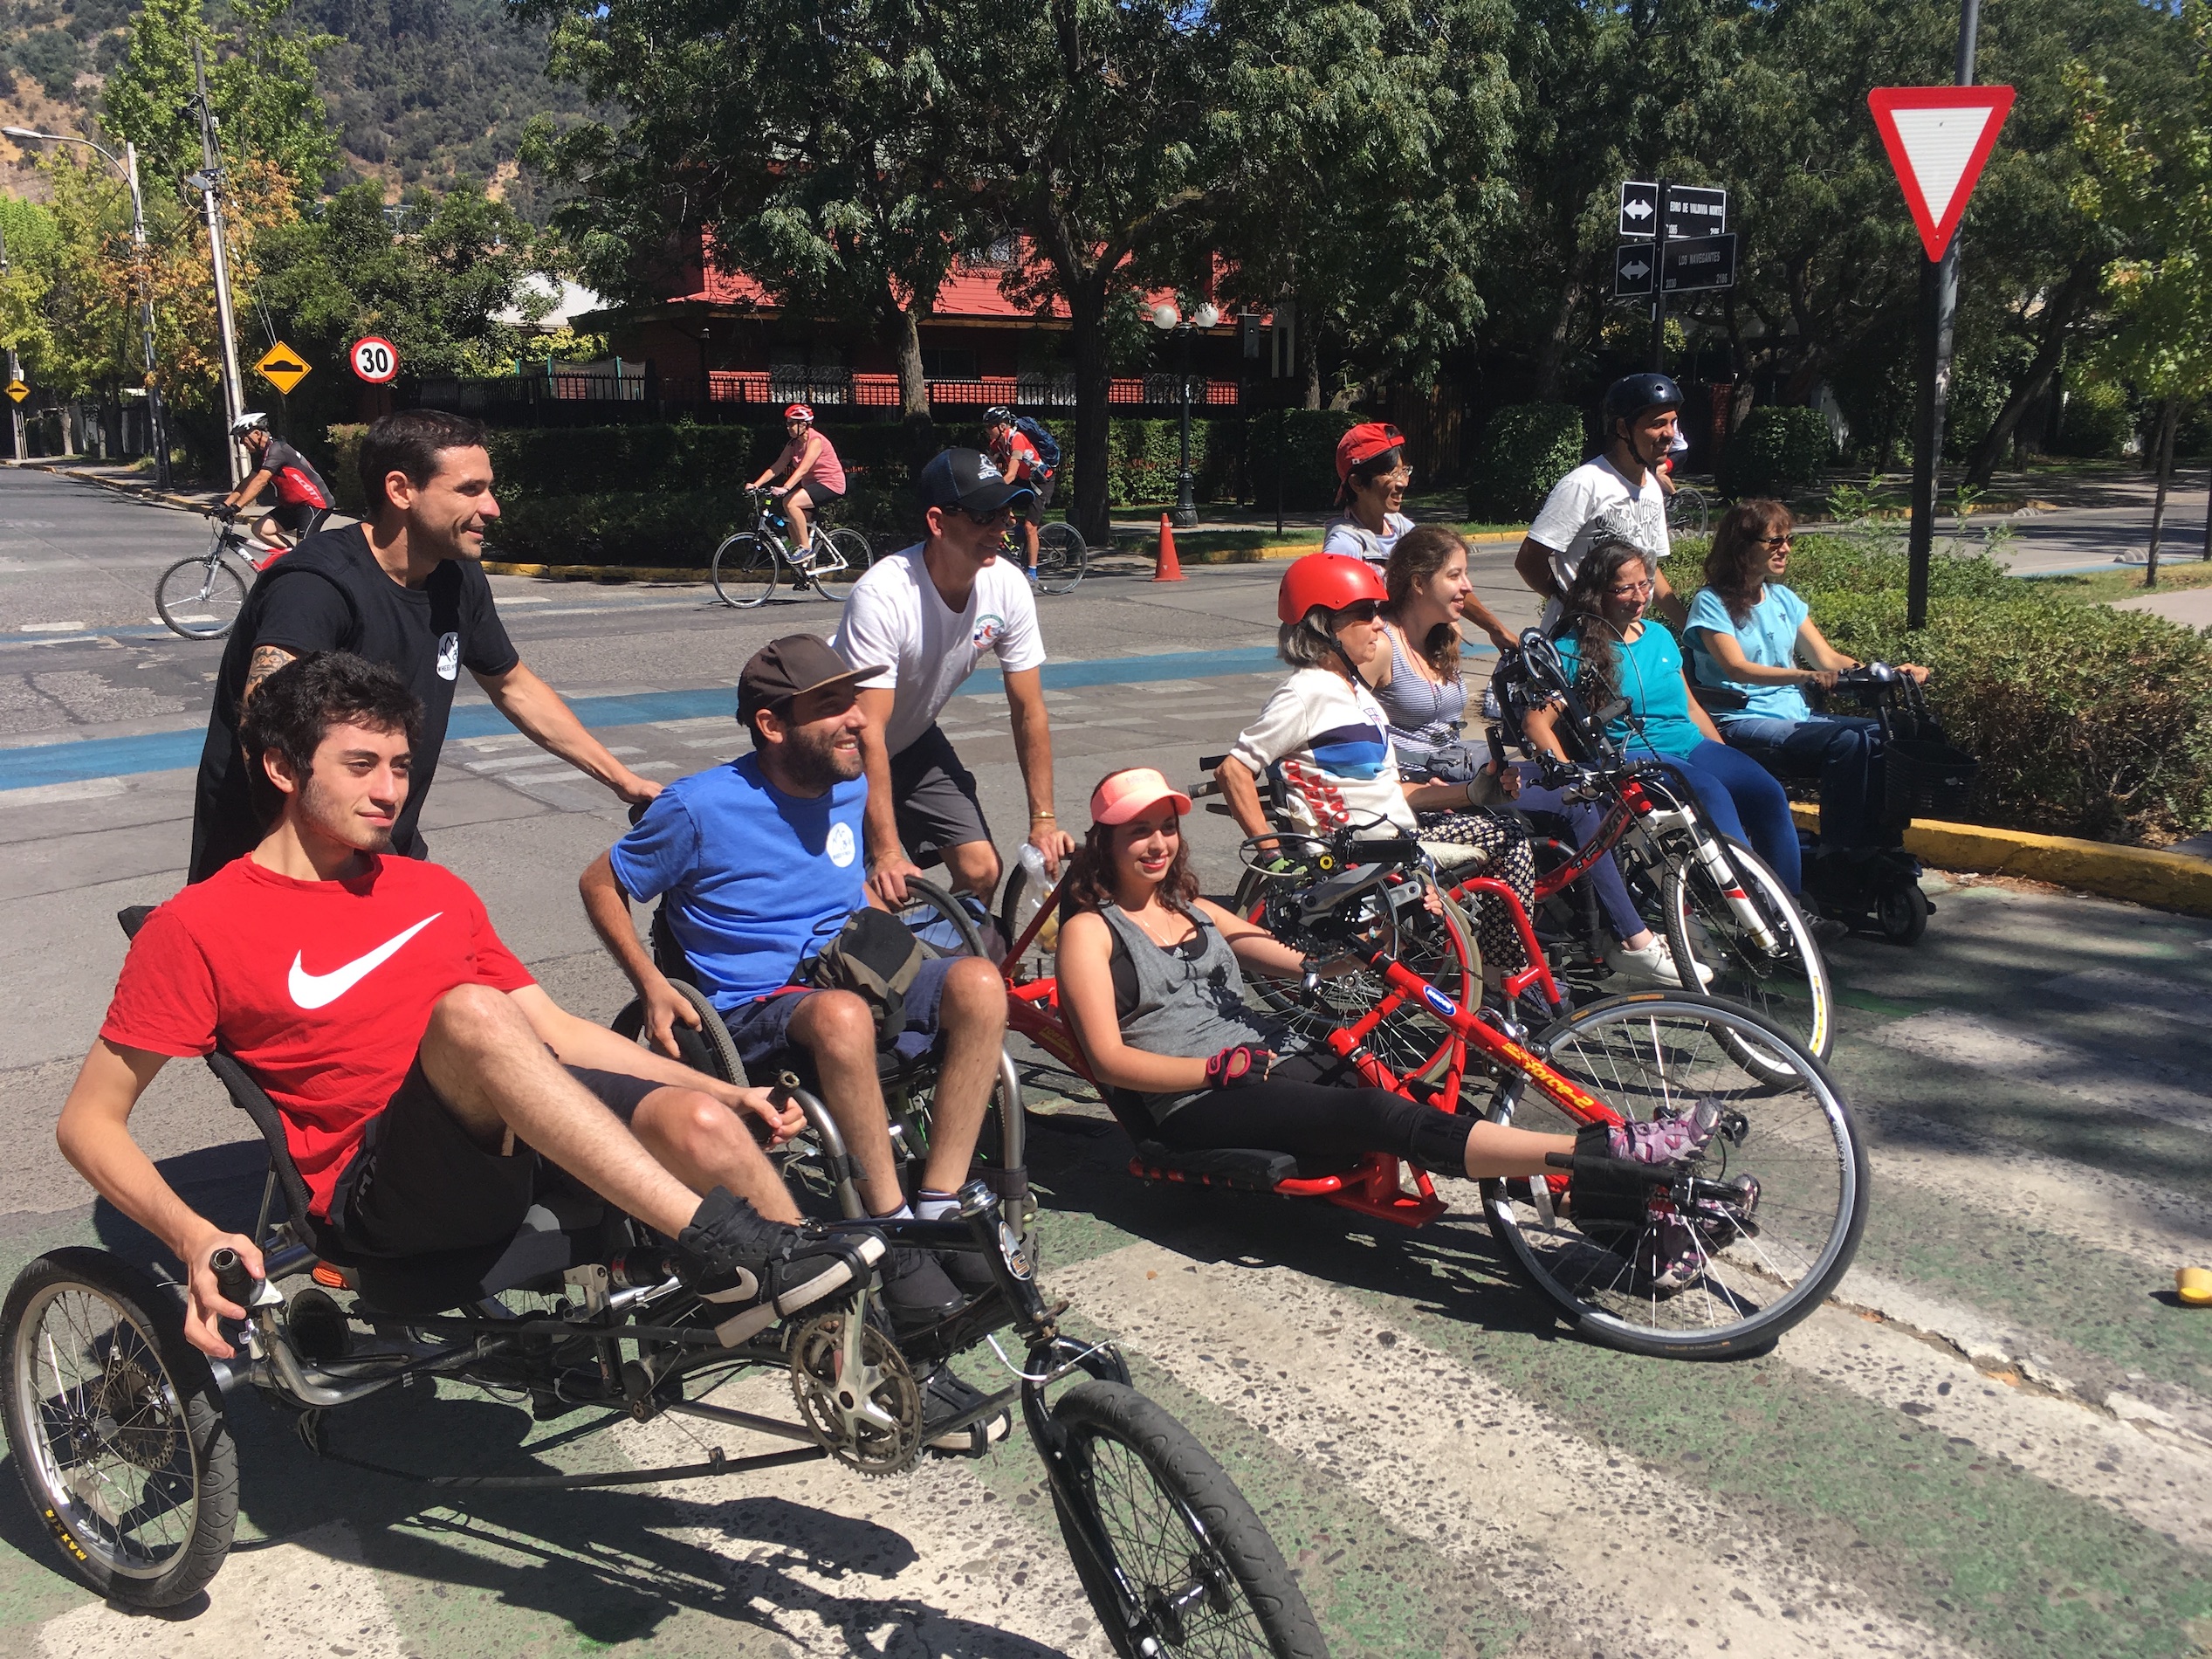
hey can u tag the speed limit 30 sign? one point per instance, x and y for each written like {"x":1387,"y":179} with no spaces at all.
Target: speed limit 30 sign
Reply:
{"x":373,"y":358}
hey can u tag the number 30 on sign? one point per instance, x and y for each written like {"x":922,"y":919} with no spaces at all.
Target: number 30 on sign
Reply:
{"x":373,"y":358}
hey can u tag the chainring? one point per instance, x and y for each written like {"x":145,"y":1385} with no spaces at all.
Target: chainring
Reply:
{"x":870,"y":1422}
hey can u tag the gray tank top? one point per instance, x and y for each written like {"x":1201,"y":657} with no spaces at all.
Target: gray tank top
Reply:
{"x":1192,"y":1008}
{"x":1425,"y":717}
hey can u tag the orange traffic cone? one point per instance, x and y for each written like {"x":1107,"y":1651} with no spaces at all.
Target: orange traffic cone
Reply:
{"x":1170,"y":569}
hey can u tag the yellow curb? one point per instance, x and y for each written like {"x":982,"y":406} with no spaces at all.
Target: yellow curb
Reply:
{"x":2142,"y":875}
{"x":593,"y":573}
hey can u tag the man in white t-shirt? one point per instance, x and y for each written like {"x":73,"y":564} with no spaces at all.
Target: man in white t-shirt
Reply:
{"x":1639,"y":417}
{"x":932,"y":612}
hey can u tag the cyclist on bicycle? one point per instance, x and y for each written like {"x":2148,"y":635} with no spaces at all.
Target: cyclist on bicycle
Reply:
{"x":1637,"y":419}
{"x":813,"y":476}
{"x":1151,"y":979}
{"x":303,"y":499}
{"x":1330,"y":738}
{"x":1017,"y":456}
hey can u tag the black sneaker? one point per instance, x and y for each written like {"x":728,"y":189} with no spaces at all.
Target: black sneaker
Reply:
{"x":969,"y":1271}
{"x":946,"y":1397}
{"x":734,"y":1256}
{"x":916,"y":1291}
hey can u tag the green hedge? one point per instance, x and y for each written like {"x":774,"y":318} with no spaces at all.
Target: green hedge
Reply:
{"x":1526,"y":449}
{"x":665,"y":529}
{"x":2088,"y":721}
{"x":1776,"y":450}
{"x":2096,"y":421}
{"x":1294,"y":449}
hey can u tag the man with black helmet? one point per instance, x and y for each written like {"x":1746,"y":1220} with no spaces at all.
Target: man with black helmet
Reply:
{"x":1622,"y":479}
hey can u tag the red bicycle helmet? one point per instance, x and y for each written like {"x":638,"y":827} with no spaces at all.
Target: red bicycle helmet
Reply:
{"x":1331,"y":580}
{"x":799,"y":412}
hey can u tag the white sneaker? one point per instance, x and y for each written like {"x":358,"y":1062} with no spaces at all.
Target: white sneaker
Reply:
{"x":1656,"y":963}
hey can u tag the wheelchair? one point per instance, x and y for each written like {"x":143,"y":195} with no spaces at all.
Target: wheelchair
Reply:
{"x":119,"y":1426}
{"x":908,"y":1072}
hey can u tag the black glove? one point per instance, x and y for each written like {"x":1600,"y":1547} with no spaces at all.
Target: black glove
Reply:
{"x":1242,"y":1063}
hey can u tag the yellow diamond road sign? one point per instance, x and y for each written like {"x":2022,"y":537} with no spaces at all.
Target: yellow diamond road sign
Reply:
{"x":281,"y":368}
{"x":17,"y":390}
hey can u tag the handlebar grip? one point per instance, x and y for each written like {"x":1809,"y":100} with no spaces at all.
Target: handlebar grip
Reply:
{"x":1614,"y":1169}
{"x":232,"y":1278}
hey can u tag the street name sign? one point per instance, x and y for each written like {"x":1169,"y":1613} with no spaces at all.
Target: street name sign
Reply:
{"x":1938,"y":138}
{"x":374,"y":359}
{"x":281,"y":368}
{"x":1693,"y":264}
{"x":1691,"y":209}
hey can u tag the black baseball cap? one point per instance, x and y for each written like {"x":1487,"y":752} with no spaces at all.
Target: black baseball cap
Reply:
{"x":969,"y":479}
{"x":789,"y":667}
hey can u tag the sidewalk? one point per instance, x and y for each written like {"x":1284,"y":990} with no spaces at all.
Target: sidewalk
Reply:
{"x":124,"y":480}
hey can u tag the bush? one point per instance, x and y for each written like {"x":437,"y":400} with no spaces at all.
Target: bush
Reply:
{"x":1776,"y":450}
{"x":2088,"y":721}
{"x":1293,"y":451}
{"x":344,"y":474}
{"x":666,"y":529}
{"x":1526,"y":449}
{"x":2096,"y":421}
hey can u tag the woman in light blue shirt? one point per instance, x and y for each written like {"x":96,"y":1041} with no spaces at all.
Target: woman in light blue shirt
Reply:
{"x":1747,"y":632}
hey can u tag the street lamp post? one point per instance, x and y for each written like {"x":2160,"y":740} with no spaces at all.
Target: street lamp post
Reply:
{"x":127,"y":165}
{"x":1168,"y":319}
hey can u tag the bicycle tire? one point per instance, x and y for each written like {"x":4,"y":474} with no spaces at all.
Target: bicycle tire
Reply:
{"x":143,"y":1393}
{"x":848,"y":555}
{"x":1638,"y":1054}
{"x":1196,"y":1533}
{"x":744,"y":571}
{"x":206,"y":604}
{"x":1062,"y":557}
{"x":1687,"y":512}
{"x":1791,"y":987}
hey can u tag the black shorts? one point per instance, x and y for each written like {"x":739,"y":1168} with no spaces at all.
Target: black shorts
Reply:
{"x":1041,"y":483}
{"x":817,"y":495}
{"x":418,"y":1184}
{"x":934,"y":797}
{"x":299,"y":518}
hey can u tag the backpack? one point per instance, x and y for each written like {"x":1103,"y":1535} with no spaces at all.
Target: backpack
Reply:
{"x":875,"y":958}
{"x":1047,"y":446}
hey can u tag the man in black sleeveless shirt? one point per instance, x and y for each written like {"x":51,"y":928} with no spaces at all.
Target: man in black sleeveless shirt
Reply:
{"x":406,"y":588}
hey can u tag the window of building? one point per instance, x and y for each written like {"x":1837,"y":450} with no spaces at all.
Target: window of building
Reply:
{"x":949,"y":362}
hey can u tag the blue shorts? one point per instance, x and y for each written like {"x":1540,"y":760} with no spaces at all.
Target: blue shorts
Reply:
{"x":761,"y":1029}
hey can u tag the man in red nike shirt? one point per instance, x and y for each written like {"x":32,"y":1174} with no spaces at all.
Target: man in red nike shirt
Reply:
{"x":424,"y":1079}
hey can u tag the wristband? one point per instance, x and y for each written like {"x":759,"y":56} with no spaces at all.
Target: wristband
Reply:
{"x":1035,"y":816}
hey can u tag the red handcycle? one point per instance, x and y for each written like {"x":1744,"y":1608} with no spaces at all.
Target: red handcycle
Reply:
{"x":1776,"y":1204}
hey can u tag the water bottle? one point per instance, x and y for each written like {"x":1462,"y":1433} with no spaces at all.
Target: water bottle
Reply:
{"x":1034,"y":887}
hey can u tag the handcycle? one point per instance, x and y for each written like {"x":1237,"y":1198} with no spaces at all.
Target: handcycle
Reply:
{"x":747,"y":565}
{"x":1718,"y":904}
{"x":200,"y":597}
{"x":1063,"y":557}
{"x":118,"y":1426}
{"x":1775,"y":1206}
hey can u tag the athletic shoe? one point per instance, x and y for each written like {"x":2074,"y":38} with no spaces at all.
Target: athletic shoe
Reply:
{"x":1669,"y":1256}
{"x":1656,"y":963}
{"x":916,"y":1291}
{"x":969,"y":1271}
{"x":1032,"y":574}
{"x":1665,"y":1140}
{"x":734,"y":1256}
{"x":945,"y":1397}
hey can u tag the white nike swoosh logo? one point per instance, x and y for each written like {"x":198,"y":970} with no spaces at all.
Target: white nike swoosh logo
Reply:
{"x":320,"y":990}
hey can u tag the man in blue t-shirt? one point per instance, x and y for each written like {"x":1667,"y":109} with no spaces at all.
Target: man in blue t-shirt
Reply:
{"x":757,"y":864}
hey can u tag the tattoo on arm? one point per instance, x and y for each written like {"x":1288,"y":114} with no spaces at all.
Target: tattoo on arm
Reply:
{"x":265,"y":661}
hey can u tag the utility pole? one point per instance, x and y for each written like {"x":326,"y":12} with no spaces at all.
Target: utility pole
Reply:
{"x":157,"y":428}
{"x":1658,"y":288}
{"x":208,"y":179}
{"x":1939,"y":306}
{"x":15,"y":370}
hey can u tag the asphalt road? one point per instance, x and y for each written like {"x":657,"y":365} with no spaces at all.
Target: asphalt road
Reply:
{"x":1997,"y":1441}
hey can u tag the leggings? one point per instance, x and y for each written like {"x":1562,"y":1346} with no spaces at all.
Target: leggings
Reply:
{"x":1504,"y":845}
{"x":1297,"y":1110}
{"x":1739,"y":798}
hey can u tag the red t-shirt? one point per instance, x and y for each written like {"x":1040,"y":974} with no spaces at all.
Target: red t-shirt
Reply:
{"x":321,"y":989}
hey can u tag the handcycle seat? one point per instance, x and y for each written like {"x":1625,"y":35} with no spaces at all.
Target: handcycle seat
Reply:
{"x":1248,"y":1169}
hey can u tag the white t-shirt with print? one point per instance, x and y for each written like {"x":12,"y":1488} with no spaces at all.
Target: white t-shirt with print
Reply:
{"x":1333,"y":741}
{"x":1564,"y":524}
{"x":896,"y":616}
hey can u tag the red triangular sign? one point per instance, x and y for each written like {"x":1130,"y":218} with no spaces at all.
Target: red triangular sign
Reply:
{"x":1938,"y":138}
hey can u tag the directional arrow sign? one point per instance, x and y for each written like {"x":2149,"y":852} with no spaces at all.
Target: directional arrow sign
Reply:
{"x":1632,"y":263}
{"x":1640,"y":208}
{"x":17,"y":390}
{"x":281,"y":368}
{"x":1938,"y":138}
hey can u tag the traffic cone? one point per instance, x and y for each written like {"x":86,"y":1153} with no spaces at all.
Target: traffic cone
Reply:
{"x":1170,"y":569}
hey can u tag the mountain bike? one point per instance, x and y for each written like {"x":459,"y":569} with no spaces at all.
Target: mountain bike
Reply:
{"x":1687,"y":512}
{"x":200,"y":597}
{"x":1061,"y":555}
{"x":747,"y":565}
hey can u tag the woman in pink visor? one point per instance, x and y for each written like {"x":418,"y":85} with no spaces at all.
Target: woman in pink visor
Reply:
{"x":1151,"y":979}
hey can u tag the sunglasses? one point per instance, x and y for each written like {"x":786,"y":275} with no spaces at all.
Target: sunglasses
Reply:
{"x":985,"y":520}
{"x":1361,"y":610}
{"x":1779,"y":541}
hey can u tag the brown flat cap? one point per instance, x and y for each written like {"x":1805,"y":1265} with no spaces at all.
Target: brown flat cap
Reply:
{"x":788,"y":667}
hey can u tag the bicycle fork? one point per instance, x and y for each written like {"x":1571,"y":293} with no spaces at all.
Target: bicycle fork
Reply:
{"x":1713,"y":859}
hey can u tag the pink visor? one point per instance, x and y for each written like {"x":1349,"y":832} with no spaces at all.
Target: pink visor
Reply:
{"x":1125,"y":795}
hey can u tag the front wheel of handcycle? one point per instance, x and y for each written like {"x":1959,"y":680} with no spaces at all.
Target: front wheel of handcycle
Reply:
{"x":117,"y":1429}
{"x":1784,"y":975}
{"x":1192,"y":1569}
{"x":744,"y":571}
{"x":200,"y":597}
{"x":1062,"y":557}
{"x":1711,"y":1271}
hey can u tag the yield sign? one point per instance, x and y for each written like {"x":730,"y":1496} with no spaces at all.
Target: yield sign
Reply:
{"x":1938,"y":138}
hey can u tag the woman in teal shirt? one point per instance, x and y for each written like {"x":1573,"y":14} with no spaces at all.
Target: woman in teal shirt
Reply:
{"x":1602,"y":633}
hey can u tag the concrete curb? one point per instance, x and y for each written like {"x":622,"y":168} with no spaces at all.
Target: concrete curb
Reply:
{"x":138,"y":491}
{"x":2141,"y":875}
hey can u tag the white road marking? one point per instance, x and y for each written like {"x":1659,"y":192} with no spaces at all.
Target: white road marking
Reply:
{"x":505,"y":762}
{"x":39,"y":795}
{"x":52,"y":628}
{"x":2111,"y":1079}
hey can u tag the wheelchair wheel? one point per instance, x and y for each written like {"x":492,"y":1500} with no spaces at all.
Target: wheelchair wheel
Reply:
{"x":841,"y":558}
{"x":1901,"y":913}
{"x":117,"y":1429}
{"x":708,"y":1050}
{"x":1206,"y":1576}
{"x":1410,"y":1040}
{"x":744,"y":571}
{"x":1760,"y":1267}
{"x":1062,"y":557}
{"x":1787,"y":982}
